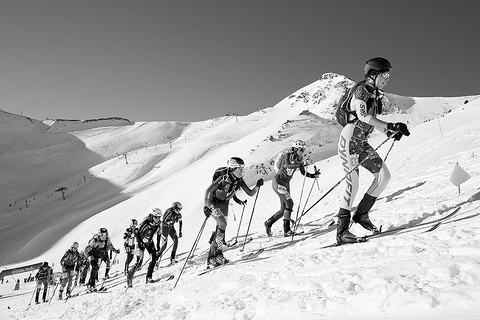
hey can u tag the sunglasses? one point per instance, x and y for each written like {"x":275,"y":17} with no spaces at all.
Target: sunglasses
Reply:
{"x":385,"y":75}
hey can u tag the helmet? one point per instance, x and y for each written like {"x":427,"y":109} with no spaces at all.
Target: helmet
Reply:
{"x":45,"y":264}
{"x":376,"y":65}
{"x":298,"y":144}
{"x":177,"y":205}
{"x":103,"y":230}
{"x":134,"y":221}
{"x":156,"y":212}
{"x":129,"y":230}
{"x":235,"y":162}
{"x":75,"y":245}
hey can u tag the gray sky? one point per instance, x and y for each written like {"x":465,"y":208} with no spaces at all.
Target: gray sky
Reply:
{"x":193,"y":60}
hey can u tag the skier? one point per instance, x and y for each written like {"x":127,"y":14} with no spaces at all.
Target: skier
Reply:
{"x":43,"y":277}
{"x":217,"y":198}
{"x":170,"y":216}
{"x":286,"y":164}
{"x":82,"y":268}
{"x":129,"y":244}
{"x":144,"y":237}
{"x":353,"y":147}
{"x":95,"y":251}
{"x":68,"y":262}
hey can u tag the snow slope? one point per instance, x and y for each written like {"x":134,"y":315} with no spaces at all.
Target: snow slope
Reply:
{"x":408,"y":275}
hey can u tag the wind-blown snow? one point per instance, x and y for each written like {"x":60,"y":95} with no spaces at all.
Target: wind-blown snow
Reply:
{"x":409,"y":275}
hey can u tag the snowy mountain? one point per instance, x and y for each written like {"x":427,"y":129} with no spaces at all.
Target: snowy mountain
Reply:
{"x":116,"y":171}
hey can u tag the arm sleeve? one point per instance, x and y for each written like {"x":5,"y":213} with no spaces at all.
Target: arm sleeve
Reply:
{"x":209,"y":193}
{"x":305,"y":173}
{"x":247,"y":190}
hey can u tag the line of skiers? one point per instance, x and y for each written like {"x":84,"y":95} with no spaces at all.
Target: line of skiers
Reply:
{"x":141,"y":238}
{"x":353,"y":149}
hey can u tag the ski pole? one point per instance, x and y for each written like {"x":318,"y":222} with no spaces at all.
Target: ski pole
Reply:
{"x":297,"y":223}
{"x":105,"y":278}
{"x":34,"y":290}
{"x":191,"y":250}
{"x":248,"y":228}
{"x":300,"y":200}
{"x":389,"y":150}
{"x":344,"y":177}
{"x":55,"y":289}
{"x":160,"y":256}
{"x":239,"y":225}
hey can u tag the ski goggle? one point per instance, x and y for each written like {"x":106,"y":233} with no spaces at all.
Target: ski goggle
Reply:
{"x":385,"y":75}
{"x":240,"y":170}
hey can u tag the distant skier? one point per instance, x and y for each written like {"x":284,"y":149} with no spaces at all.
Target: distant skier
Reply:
{"x":217,"y":198}
{"x":286,"y":164}
{"x":83,"y":265}
{"x":129,"y":243}
{"x":144,"y":236}
{"x":97,"y":249}
{"x":170,"y":216}
{"x":43,"y":277}
{"x":353,"y":147}
{"x":68,"y":262}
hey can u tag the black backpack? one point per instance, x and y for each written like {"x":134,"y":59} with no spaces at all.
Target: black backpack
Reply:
{"x":220,"y":172}
{"x":342,"y":107}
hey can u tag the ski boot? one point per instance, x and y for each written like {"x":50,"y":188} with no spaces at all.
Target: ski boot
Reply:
{"x":221,"y":260}
{"x":173,"y":261}
{"x":363,"y":220}
{"x":60,"y":295}
{"x":268,"y":229}
{"x":149,"y":280}
{"x":212,"y":263}
{"x":129,"y":282}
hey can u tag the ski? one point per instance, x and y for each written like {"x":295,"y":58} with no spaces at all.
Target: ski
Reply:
{"x":165,"y":277}
{"x":237,"y":244}
{"x":243,"y":258}
{"x":436,"y":224}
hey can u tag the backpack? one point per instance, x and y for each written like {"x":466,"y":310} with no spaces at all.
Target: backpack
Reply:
{"x":278,"y":161}
{"x":342,"y":106}
{"x":220,"y":172}
{"x":70,"y":258}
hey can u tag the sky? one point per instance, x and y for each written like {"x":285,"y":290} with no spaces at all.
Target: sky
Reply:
{"x":411,"y":274}
{"x":193,"y":60}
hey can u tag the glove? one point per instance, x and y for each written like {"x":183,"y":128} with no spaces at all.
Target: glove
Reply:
{"x":180,"y":234}
{"x":259,"y":183}
{"x":396,"y":135}
{"x":207,"y":211}
{"x":317,"y":173}
{"x":118,"y":251}
{"x":244,"y":202}
{"x":399,"y":127}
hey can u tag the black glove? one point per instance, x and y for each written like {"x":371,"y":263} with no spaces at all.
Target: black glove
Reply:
{"x":317,"y":173}
{"x":260,"y":182}
{"x":180,"y":234}
{"x":207,"y":211}
{"x":244,"y":202}
{"x":399,"y":127}
{"x":396,"y":135}
{"x":118,"y":251}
